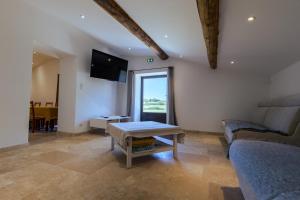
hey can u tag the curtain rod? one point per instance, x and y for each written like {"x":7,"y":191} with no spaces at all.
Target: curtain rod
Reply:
{"x":149,"y":69}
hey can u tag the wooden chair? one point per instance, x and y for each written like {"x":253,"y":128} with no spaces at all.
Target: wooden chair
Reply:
{"x":52,"y":120}
{"x":50,"y":125}
{"x":50,"y":104}
{"x":37,"y":104}
{"x":35,"y":121}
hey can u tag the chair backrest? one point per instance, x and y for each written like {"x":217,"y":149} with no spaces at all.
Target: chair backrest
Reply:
{"x":32,"y":112}
{"x":32,"y":116}
{"x":37,"y":104}
{"x":50,"y":104}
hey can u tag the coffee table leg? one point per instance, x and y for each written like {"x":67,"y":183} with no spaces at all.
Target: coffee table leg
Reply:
{"x":129,"y":153}
{"x":112,"y":143}
{"x":175,"y":154}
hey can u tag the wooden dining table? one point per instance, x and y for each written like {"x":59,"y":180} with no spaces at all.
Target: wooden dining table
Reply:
{"x":50,"y":114}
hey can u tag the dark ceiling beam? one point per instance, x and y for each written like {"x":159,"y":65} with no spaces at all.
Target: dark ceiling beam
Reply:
{"x":209,"y":17}
{"x":117,"y":12}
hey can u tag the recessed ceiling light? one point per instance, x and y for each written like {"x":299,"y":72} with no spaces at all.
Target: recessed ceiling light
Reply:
{"x":166,"y":36}
{"x":251,"y":18}
{"x":232,"y":62}
{"x":82,"y":16}
{"x":129,"y":48}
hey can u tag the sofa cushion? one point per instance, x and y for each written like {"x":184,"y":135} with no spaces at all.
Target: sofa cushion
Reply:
{"x":258,"y":116}
{"x":294,"y":195}
{"x":266,"y":170}
{"x":233,"y":126}
{"x":282,"y":119}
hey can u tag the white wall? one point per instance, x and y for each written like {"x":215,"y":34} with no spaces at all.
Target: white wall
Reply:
{"x":44,"y":82}
{"x":204,"y":97}
{"x":15,"y":74}
{"x":23,"y":27}
{"x":286,"y":82}
{"x":87,"y":97}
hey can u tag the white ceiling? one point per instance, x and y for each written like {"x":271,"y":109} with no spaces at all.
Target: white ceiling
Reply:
{"x":265,"y":46}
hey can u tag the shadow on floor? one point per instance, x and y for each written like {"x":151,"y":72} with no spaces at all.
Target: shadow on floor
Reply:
{"x":232,"y":193}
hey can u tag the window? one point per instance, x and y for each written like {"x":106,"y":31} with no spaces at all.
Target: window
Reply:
{"x":154,"y":98}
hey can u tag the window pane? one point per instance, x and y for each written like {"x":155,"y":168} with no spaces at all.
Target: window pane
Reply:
{"x":155,"y":95}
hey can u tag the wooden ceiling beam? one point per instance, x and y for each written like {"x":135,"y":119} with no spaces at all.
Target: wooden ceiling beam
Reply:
{"x":209,"y":17}
{"x":117,"y":12}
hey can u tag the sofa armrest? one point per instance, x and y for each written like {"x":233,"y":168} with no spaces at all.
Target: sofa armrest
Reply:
{"x":296,"y":134}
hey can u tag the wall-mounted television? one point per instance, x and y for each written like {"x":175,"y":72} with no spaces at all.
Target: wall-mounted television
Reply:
{"x":105,"y":66}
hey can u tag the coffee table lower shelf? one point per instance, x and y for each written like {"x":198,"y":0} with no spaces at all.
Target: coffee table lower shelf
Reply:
{"x":159,"y":147}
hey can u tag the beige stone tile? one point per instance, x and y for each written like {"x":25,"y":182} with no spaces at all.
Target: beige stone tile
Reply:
{"x":83,"y":167}
{"x":222,"y":175}
{"x":88,"y":164}
{"x":41,"y":175}
{"x":54,"y":157}
{"x":9,"y":195}
{"x":12,"y":163}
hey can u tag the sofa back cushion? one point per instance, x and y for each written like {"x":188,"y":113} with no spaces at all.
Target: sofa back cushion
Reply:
{"x":259,"y":115}
{"x":282,"y":119}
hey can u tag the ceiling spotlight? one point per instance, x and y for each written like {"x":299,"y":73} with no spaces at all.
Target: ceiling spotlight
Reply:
{"x":166,"y":36}
{"x":82,"y":16}
{"x":251,"y":19}
{"x":129,"y":48}
{"x":232,"y":62}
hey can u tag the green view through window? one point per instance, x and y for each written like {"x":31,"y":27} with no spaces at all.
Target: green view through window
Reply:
{"x":155,"y":94}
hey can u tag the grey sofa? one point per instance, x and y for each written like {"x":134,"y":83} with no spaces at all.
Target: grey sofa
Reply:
{"x":267,"y":170}
{"x":276,"y":120}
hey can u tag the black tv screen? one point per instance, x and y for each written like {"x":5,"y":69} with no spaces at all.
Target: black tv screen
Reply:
{"x":108,"y":67}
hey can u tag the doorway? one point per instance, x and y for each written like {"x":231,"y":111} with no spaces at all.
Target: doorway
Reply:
{"x":154,"y":100}
{"x":44,"y":95}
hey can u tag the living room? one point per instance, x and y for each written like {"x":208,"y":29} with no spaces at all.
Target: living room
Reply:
{"x":257,"y":62}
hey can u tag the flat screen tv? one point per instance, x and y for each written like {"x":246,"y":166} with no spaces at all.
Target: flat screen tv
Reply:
{"x":108,"y":67}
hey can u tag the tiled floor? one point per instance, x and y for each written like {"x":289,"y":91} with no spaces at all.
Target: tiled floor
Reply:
{"x":83,"y":167}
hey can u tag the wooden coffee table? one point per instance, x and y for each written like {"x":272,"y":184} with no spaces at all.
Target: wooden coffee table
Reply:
{"x":123,"y":133}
